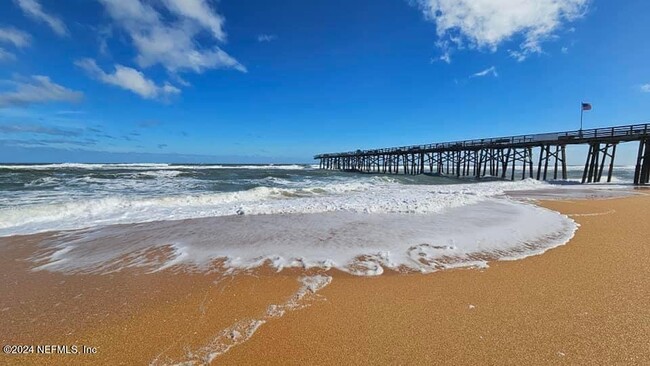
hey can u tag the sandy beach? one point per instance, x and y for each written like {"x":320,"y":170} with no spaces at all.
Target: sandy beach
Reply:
{"x":586,"y":302}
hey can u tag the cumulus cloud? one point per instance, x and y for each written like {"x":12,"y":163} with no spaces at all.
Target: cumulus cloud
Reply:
{"x":266,"y":37}
{"x":33,"y":9}
{"x":172,"y":40}
{"x":129,"y":79}
{"x":489,"y":71}
{"x":485,"y":24}
{"x":37,"y":89}
{"x":15,"y":37}
{"x":645,"y":88}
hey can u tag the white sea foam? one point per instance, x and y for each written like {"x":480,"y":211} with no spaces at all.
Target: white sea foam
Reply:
{"x":378,"y":195}
{"x":358,"y":243}
{"x":158,"y":174}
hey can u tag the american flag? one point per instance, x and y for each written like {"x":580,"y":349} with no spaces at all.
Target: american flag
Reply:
{"x":586,"y":106}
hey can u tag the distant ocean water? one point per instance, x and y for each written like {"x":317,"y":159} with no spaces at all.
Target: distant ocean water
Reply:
{"x":418,"y":210}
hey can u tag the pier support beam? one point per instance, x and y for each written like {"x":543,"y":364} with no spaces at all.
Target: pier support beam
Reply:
{"x":642,"y":169}
{"x":523,"y":155}
{"x":547,"y":153}
{"x":595,"y":163}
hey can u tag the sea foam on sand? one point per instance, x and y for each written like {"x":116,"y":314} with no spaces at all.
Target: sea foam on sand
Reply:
{"x":244,"y":329}
{"x":354,"y":242}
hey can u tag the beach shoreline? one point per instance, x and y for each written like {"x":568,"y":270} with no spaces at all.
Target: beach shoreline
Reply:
{"x":584,"y":302}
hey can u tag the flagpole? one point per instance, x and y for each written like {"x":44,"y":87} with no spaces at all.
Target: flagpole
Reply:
{"x":582,"y":112}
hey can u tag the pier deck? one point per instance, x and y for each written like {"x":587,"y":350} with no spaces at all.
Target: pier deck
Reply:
{"x":499,"y":157}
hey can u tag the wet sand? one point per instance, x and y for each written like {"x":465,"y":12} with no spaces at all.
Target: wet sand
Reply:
{"x":587,"y":302}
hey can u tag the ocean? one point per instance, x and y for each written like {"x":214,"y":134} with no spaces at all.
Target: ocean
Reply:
{"x":244,"y":216}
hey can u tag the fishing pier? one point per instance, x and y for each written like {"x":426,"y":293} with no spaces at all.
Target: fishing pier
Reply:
{"x":538,"y":156}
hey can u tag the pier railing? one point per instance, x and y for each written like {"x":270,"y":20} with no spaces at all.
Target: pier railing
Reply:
{"x":620,"y":133}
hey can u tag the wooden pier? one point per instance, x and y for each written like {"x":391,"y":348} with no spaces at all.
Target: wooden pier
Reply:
{"x":504,"y":157}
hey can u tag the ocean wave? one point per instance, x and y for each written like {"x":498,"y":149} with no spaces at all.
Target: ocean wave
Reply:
{"x":616,"y":167}
{"x":262,"y":167}
{"x":369,"y":196}
{"x":156,"y":174}
{"x":83,"y":166}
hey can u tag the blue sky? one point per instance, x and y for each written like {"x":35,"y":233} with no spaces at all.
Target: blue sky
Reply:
{"x":279,"y":81}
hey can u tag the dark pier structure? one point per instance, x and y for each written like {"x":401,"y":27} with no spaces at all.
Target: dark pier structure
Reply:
{"x":501,"y":157}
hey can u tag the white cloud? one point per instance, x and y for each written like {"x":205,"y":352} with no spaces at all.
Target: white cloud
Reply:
{"x":266,"y":37}
{"x":489,"y":71}
{"x":14,"y":36}
{"x":33,"y":9}
{"x":6,"y":55}
{"x":645,"y":88}
{"x":173,"y":43}
{"x":520,"y":56}
{"x":129,"y":79}
{"x":485,"y":24}
{"x":37,"y":89}
{"x":103,"y":34}
{"x":201,"y":12}
{"x":180,"y":81}
{"x":565,"y":50}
